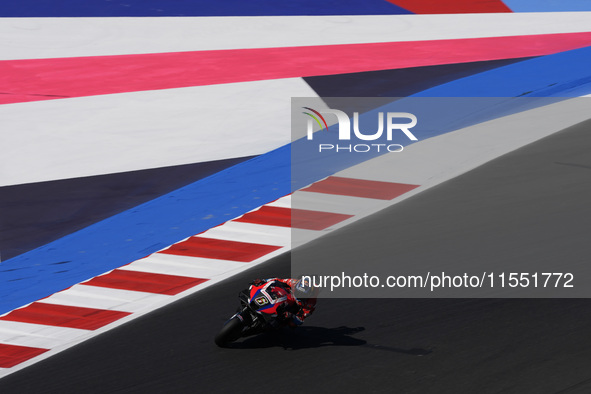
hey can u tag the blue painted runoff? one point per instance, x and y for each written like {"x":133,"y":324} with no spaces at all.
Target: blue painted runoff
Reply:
{"x":151,"y":8}
{"x":565,"y":74}
{"x":548,"y":5}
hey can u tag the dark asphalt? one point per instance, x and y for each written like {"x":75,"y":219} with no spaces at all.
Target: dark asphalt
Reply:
{"x":526,"y":212}
{"x":371,"y":345}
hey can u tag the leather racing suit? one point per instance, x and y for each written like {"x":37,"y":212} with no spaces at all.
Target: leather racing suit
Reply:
{"x":297,"y":308}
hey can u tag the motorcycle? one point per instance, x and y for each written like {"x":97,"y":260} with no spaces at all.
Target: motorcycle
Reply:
{"x":263,"y":307}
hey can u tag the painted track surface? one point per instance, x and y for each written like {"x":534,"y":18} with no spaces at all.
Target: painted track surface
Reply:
{"x":414,"y":346}
{"x":96,"y":198}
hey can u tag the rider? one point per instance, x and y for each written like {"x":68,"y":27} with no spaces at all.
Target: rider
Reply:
{"x":301,"y":300}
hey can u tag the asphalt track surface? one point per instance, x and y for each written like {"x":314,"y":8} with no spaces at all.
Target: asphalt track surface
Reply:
{"x":369,"y":345}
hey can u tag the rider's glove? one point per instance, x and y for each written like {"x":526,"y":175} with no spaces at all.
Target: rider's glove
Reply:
{"x":258,"y":282}
{"x":297,"y":320}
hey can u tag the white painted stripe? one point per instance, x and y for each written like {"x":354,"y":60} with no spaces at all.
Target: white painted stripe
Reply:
{"x":283,"y":202}
{"x":210,"y":266}
{"x":250,"y":232}
{"x":106,"y":298}
{"x":32,"y":38}
{"x":77,"y":137}
{"x":160,"y":267}
{"x":332,"y":203}
{"x":37,"y":335}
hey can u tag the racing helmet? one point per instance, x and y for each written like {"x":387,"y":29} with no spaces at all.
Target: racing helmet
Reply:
{"x":304,"y":289}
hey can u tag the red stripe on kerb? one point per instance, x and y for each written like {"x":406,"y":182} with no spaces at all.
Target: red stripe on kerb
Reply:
{"x":295,"y":218}
{"x":11,"y":355}
{"x":145,"y":282}
{"x":64,"y":316}
{"x":452,"y":6}
{"x":360,"y":188}
{"x":220,"y":249}
{"x":46,"y":79}
{"x":315,"y":220}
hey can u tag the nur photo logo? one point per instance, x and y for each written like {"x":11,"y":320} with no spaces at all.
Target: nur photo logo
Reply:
{"x":394,"y":122}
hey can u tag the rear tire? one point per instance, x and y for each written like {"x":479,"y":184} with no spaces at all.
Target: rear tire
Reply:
{"x":230,"y":332}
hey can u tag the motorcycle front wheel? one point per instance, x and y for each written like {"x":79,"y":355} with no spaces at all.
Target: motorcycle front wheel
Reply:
{"x":230,"y":332}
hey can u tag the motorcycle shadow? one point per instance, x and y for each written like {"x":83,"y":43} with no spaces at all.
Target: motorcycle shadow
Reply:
{"x":313,"y":337}
{"x":303,"y":338}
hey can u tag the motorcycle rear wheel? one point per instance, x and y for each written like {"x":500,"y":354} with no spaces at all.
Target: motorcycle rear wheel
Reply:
{"x":230,"y":332}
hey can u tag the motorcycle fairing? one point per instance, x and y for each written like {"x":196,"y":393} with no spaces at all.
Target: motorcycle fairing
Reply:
{"x":267,"y":297}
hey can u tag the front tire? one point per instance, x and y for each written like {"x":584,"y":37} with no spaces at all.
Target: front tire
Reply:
{"x":230,"y":332}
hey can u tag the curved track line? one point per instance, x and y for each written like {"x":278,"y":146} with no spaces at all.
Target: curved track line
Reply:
{"x":48,"y":79}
